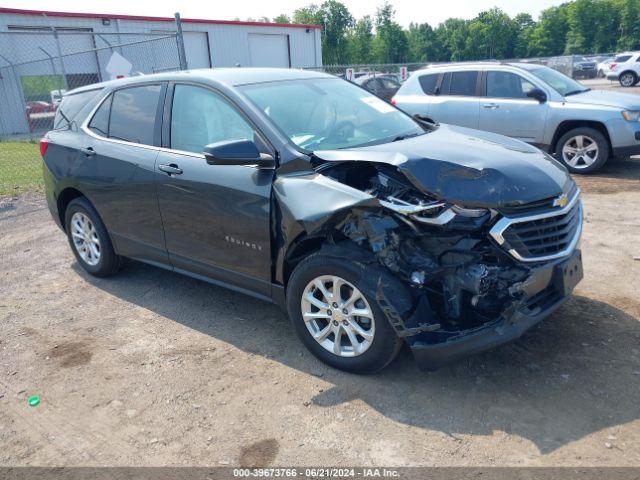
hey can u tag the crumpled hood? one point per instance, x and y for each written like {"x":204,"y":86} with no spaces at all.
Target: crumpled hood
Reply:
{"x":625,"y":101}
{"x":468,"y":167}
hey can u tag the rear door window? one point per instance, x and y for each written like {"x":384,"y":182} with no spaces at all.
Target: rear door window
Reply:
{"x":133,"y":114}
{"x":463,"y":83}
{"x":429,"y":83}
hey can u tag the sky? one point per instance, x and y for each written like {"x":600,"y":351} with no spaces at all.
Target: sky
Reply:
{"x":407,"y":11}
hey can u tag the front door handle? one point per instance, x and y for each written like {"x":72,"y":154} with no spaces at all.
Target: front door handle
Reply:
{"x":491,"y":106}
{"x":171,"y":169}
{"x":88,"y":151}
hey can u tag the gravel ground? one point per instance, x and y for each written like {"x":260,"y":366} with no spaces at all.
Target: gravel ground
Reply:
{"x":152,"y":368}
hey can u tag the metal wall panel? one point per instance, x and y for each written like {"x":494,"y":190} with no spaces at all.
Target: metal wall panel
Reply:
{"x":228,"y":43}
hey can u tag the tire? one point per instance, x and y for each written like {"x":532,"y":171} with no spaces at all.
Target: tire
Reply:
{"x":600,"y":74}
{"x":628,"y":79}
{"x":384,"y":345}
{"x":89,"y":240}
{"x":590,"y":159}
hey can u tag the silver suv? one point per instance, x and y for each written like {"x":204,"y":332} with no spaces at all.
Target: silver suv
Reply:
{"x":533,"y":103}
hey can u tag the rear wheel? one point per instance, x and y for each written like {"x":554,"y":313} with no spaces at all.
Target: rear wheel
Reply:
{"x":583,"y":150}
{"x":89,"y":239}
{"x":339,"y":322}
{"x":628,"y":79}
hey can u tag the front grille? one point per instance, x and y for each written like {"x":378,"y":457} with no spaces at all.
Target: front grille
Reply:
{"x":544,"y":236}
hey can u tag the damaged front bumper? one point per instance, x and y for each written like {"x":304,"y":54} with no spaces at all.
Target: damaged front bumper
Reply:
{"x":453,"y":278}
{"x":547,"y":288}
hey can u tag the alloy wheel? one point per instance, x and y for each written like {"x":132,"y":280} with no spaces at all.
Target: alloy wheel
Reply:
{"x":627,"y":80}
{"x":337,"y":316}
{"x":85,"y":238}
{"x":580,"y":151}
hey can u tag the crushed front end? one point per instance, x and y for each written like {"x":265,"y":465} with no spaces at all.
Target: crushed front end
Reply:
{"x":471,"y":278}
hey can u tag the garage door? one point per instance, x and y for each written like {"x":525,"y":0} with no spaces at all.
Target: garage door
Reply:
{"x":269,"y":50}
{"x":196,"y":46}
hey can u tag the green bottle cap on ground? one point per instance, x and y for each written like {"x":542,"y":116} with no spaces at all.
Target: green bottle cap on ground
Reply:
{"x":33,"y":400}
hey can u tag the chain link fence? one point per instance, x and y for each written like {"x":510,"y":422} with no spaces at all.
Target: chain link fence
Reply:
{"x":575,"y":66}
{"x":38,"y":68}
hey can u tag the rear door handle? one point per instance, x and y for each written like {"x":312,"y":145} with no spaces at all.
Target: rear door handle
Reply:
{"x":171,"y":169}
{"x":491,"y":106}
{"x":88,"y":151}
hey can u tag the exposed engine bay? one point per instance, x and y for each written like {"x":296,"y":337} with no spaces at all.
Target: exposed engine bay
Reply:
{"x":455,"y":279}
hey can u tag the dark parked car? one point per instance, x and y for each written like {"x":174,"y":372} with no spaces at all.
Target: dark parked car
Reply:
{"x":584,"y":68}
{"x":382,"y":86}
{"x":371,"y":227}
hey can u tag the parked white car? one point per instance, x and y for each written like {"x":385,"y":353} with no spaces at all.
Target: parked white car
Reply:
{"x":626,"y":69}
{"x":604,"y":66}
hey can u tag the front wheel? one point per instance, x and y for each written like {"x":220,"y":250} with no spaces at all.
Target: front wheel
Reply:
{"x":337,"y":318}
{"x":628,"y":79}
{"x":583,"y":150}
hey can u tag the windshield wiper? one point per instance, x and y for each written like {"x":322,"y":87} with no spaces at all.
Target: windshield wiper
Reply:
{"x":64,"y":116}
{"x":574,"y":92}
{"x":404,"y":137}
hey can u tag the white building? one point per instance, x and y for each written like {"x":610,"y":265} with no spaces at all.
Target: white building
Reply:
{"x":28,"y":43}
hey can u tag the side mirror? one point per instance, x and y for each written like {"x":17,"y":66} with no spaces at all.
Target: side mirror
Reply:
{"x":538,"y":94}
{"x":424,"y":121}
{"x":236,"y":152}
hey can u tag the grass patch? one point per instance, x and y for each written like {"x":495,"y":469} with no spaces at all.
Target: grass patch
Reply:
{"x":20,"y":167}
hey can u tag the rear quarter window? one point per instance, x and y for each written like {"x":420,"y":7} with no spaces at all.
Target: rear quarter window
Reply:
{"x":463,"y":83}
{"x":100,"y":122}
{"x":429,"y":83}
{"x":71,"y":106}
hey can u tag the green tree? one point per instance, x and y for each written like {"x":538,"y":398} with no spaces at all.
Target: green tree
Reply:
{"x":492,"y":34}
{"x":549,"y":37}
{"x":525,"y":26}
{"x":452,"y":35}
{"x":336,"y":20}
{"x":282,"y":18}
{"x":390,"y":42}
{"x":629,"y":26}
{"x":422,"y":43}
{"x":309,"y":15}
{"x":359,"y":41}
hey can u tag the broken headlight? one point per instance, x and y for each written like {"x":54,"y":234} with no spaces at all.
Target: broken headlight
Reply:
{"x":469,"y":212}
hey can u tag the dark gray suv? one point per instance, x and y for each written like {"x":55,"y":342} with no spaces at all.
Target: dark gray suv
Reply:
{"x":370,"y":227}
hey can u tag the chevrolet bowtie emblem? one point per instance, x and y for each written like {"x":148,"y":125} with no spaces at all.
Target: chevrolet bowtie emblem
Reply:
{"x":561,"y":201}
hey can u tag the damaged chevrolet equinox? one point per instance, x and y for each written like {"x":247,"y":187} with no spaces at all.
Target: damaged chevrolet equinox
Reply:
{"x":372,"y":228}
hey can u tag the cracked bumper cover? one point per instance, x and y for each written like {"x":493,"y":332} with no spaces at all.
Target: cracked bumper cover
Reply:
{"x":556,"y":280}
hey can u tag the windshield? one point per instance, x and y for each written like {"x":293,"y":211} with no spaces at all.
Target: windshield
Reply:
{"x":327,"y":113}
{"x":558,"y":81}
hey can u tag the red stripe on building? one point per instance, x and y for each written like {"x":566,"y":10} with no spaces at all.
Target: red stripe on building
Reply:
{"x":17,"y":11}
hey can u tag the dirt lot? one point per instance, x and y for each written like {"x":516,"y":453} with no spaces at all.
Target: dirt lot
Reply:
{"x":152,"y":368}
